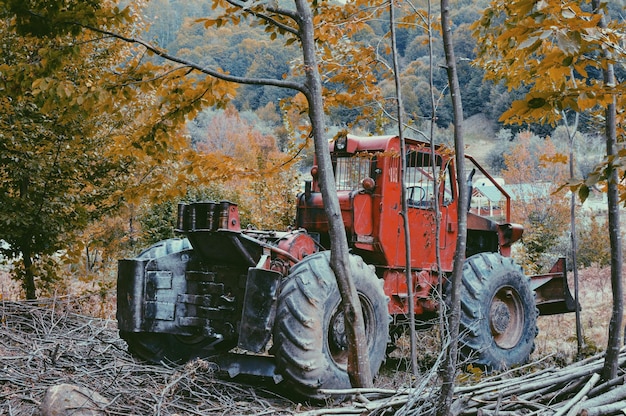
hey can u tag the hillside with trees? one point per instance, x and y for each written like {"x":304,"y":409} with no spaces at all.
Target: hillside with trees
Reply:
{"x":245,"y":51}
{"x":114,"y":115}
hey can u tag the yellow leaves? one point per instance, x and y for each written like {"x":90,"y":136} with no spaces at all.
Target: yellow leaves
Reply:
{"x":548,"y":47}
{"x":65,"y":89}
{"x":586,"y":101}
{"x":534,"y":107}
{"x":471,"y":375}
{"x":554,"y":158}
{"x":39,"y":85}
{"x":209,"y":23}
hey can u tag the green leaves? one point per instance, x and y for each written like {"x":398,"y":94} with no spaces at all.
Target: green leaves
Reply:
{"x":51,"y":18}
{"x":58,"y":159}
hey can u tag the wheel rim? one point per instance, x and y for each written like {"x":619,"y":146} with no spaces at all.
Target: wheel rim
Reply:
{"x":506,"y":317}
{"x":337,"y":336}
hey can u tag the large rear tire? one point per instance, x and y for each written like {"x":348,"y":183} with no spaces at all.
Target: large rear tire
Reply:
{"x":498,"y":322}
{"x":165,"y":247}
{"x":310,"y":343}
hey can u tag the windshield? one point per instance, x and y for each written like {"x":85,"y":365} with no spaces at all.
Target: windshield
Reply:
{"x":420,"y":180}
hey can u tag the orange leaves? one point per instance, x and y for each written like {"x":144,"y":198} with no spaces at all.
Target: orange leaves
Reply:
{"x":554,"y":158}
{"x":548,"y":47}
{"x":535,"y":107}
{"x":219,"y":21}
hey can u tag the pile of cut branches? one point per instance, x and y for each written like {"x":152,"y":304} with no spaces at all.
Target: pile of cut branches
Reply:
{"x":42,"y":345}
{"x":573,"y":390}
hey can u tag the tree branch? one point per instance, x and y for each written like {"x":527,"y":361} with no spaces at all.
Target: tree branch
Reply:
{"x":205,"y":70}
{"x":269,"y":19}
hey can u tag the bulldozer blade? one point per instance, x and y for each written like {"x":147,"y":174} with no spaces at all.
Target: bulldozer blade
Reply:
{"x":552,"y":291}
{"x":259,"y":309}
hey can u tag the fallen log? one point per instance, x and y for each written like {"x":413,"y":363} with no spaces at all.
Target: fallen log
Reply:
{"x":612,"y":396}
{"x":606,"y":409}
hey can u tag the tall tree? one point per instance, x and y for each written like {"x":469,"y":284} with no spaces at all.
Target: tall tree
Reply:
{"x":555,"y":50}
{"x":572,"y":130}
{"x":403,"y":185}
{"x":611,"y":363}
{"x":56,"y":167}
{"x":454,"y":313}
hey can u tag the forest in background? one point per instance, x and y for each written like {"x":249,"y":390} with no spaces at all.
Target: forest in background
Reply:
{"x":261,"y":157}
{"x":245,"y":51}
{"x":243,"y":161}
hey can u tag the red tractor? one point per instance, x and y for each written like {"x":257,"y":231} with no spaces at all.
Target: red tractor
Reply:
{"x":266,"y":303}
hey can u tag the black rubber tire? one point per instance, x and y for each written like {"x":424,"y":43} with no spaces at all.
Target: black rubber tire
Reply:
{"x":309,"y":347}
{"x":158,"y":348}
{"x":168,"y":348}
{"x":498,"y":322}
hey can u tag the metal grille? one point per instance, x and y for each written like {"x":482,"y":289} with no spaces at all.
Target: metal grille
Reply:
{"x":350,"y":171}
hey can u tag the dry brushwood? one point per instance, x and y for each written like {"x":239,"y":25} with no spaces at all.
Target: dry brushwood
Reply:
{"x":42,"y":345}
{"x":573,"y":390}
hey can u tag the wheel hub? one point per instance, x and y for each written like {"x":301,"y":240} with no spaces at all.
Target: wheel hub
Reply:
{"x":338,"y":332}
{"x":506,"y":318}
{"x":500,"y":317}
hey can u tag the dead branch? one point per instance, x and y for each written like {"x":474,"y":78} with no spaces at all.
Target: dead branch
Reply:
{"x":607,"y":409}
{"x":44,"y":344}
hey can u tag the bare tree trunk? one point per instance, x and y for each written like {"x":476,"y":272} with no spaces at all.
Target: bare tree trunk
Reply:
{"x":28,"y":282}
{"x":358,"y":359}
{"x":28,"y":279}
{"x":433,"y":118}
{"x":405,"y":209}
{"x":449,"y":365}
{"x":571,"y":134}
{"x":611,"y":364}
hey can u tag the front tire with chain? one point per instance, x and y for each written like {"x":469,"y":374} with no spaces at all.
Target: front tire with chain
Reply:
{"x":498,"y":322}
{"x":310,"y":344}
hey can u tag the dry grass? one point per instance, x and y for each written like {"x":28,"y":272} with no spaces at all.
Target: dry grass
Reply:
{"x":9,"y":288}
{"x":95,"y":297}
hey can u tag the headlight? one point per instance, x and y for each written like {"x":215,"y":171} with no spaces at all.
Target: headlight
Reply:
{"x":341,"y":143}
{"x":368,"y":184}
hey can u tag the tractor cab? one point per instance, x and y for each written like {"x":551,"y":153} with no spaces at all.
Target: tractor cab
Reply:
{"x":367,"y":177}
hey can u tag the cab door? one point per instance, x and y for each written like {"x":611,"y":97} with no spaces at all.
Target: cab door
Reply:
{"x":428,"y":183}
